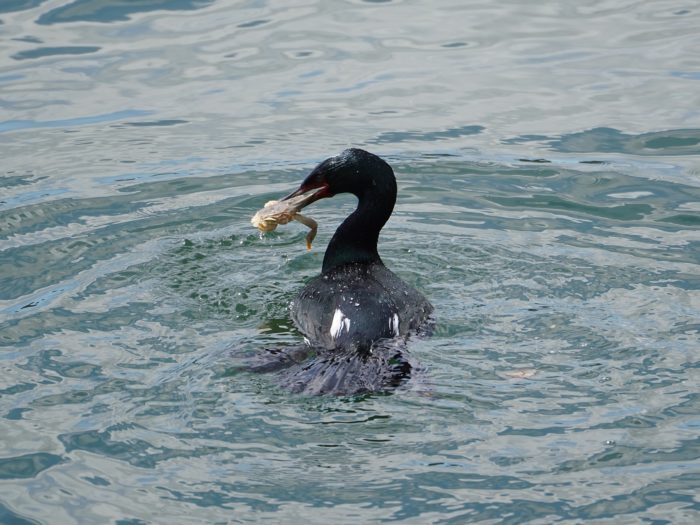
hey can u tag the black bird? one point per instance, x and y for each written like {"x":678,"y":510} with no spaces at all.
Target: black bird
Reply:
{"x":357,"y":314}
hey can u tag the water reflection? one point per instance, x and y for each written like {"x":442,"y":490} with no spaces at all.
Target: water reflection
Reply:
{"x":100,"y":11}
{"x":608,"y":140}
{"x":19,"y":5}
{"x":52,"y":51}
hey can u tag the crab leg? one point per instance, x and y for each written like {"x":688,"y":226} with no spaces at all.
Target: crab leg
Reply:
{"x":309,"y":223}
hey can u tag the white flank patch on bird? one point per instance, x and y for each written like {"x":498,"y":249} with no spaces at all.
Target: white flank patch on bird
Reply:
{"x":394,"y":324}
{"x":340,"y":323}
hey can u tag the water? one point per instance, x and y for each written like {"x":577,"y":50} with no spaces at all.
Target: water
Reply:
{"x":549,"y":196}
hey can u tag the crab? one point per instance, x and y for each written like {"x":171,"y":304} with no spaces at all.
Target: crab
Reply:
{"x":282,"y":212}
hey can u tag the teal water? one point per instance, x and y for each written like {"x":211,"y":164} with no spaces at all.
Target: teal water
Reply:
{"x":548,"y":158}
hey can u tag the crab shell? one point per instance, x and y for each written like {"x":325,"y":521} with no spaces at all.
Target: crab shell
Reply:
{"x":267,"y":219}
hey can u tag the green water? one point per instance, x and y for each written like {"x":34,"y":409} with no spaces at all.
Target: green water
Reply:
{"x":549,"y":189}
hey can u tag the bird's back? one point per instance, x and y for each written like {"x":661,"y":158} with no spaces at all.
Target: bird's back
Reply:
{"x":354,"y":305}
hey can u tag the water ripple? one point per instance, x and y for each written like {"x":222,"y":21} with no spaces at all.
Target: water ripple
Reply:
{"x":546,"y":156}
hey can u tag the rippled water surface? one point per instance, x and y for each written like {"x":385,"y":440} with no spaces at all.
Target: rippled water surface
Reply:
{"x":548,"y":158}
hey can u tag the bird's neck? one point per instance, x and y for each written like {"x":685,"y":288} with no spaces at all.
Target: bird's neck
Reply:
{"x":355,"y":240}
